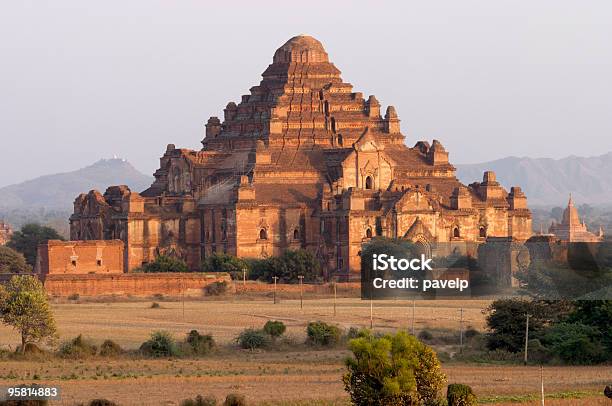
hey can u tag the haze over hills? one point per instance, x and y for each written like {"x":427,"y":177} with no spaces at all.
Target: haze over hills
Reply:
{"x":548,"y":181}
{"x":58,"y":191}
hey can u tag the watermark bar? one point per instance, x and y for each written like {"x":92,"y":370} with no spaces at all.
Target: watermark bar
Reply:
{"x":29,"y":392}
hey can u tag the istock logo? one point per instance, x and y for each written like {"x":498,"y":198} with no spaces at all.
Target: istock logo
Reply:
{"x":385,"y":262}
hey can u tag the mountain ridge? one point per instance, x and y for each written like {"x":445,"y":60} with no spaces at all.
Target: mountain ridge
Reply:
{"x":545,"y":181}
{"x":549,"y":181}
{"x":58,"y":191}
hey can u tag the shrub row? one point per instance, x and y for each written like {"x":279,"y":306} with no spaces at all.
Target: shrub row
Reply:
{"x":233,"y":399}
{"x":80,"y":347}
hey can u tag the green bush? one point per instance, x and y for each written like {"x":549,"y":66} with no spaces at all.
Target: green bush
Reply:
{"x":460,"y":395}
{"x":165,"y":263}
{"x":161,"y":344}
{"x":216,"y":288}
{"x":425,"y":335}
{"x":392,"y":370}
{"x":322,"y":334}
{"x":12,"y":261}
{"x":234,"y":399}
{"x":575,"y":343}
{"x":74,"y":296}
{"x":274,"y":328}
{"x":109,"y":348}
{"x":29,"y":237}
{"x":596,"y":313}
{"x":155,"y":305}
{"x":538,"y":352}
{"x":353,"y":332}
{"x":259,"y":268}
{"x":251,"y":339}
{"x":471,"y":333}
{"x":506,"y":321}
{"x":200,"y":401}
{"x":293,"y":263}
{"x":77,"y":348}
{"x":221,"y":262}
{"x":102,"y":402}
{"x":200,"y":344}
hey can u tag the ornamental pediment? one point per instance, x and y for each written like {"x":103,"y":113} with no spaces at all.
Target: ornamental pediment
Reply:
{"x":414,"y":200}
{"x":367,"y":143}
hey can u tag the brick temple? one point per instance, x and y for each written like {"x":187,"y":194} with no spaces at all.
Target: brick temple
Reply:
{"x":6,"y":231}
{"x":302,"y":161}
{"x":571,"y":229}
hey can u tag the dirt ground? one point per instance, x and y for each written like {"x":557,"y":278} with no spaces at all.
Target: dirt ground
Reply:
{"x":130,"y":323}
{"x":294,"y":376}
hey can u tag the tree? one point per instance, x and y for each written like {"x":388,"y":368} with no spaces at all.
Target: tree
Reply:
{"x":29,"y":237}
{"x":165,"y":263}
{"x":293,"y":263}
{"x":221,"y":262}
{"x":392,"y":370}
{"x":24,"y":306}
{"x":506,"y":320}
{"x":274,"y":328}
{"x":575,"y":343}
{"x":460,"y":395}
{"x":596,"y":314}
{"x":12,"y":261}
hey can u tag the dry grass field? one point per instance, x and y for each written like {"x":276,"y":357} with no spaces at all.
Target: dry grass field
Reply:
{"x":295,"y":375}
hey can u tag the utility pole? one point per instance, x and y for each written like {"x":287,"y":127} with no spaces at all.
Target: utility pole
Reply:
{"x":275,"y":279}
{"x":335,"y":297}
{"x":526,"y":337}
{"x":371,"y":312}
{"x":183,"y":298}
{"x":301,"y":278}
{"x":542,"y":382}
{"x":461,"y":330}
{"x":413,"y":311}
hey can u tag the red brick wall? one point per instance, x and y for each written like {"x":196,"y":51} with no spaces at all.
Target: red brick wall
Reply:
{"x":80,"y":257}
{"x":134,"y":284}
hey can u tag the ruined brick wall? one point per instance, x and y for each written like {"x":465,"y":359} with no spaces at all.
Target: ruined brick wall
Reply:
{"x":133,"y":284}
{"x":80,"y":257}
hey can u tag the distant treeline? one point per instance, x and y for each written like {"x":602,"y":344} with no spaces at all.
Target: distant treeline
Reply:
{"x":57,"y":219}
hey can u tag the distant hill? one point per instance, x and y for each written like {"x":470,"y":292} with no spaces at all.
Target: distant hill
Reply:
{"x":548,"y":181}
{"x":57,"y":192}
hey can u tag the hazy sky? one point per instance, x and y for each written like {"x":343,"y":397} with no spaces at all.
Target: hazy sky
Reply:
{"x":83,"y":80}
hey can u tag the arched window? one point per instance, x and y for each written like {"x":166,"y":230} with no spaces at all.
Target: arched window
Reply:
{"x":369,"y":233}
{"x":456,"y":232}
{"x":333,"y":124}
{"x":296,"y":234}
{"x":263,"y":234}
{"x":483,"y":232}
{"x":340,"y":140}
{"x":368,"y":182}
